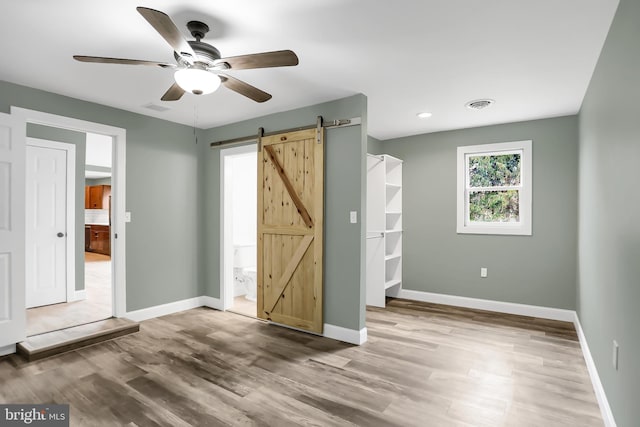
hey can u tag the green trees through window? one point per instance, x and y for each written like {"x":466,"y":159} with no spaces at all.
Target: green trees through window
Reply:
{"x":494,"y":182}
{"x":494,"y":171}
{"x":494,"y":206}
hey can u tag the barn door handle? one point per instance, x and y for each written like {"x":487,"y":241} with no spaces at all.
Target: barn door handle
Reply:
{"x":60,"y":234}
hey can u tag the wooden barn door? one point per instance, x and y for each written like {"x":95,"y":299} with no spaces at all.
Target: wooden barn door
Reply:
{"x":290,"y":220}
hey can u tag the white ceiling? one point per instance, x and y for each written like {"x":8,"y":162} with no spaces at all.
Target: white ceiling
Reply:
{"x":534,"y":58}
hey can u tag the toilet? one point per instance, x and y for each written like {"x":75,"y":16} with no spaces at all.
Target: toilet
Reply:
{"x":251,"y":284}
{"x":244,"y":271}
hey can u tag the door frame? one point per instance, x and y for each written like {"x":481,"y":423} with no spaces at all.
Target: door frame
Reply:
{"x":118,"y":244}
{"x":70,"y":215}
{"x":226,"y":226}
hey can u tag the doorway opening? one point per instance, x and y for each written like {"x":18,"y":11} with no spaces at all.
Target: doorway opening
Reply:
{"x":58,"y":294}
{"x":97,"y":291}
{"x":98,"y":280}
{"x":239,"y":229}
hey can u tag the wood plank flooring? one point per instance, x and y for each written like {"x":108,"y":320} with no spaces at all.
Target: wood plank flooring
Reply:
{"x":424,"y":365}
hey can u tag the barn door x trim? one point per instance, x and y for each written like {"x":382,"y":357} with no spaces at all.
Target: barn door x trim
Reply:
{"x":290,"y":227}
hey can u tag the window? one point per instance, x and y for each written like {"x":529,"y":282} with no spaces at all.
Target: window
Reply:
{"x":494,"y":188}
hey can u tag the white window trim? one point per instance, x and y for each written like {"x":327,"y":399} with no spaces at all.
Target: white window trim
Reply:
{"x":522,"y":228}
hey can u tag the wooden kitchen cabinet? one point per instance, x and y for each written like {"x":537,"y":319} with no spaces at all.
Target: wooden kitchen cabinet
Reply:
{"x":87,"y":204}
{"x":100,"y":239}
{"x":99,"y":197}
{"x":87,"y":238}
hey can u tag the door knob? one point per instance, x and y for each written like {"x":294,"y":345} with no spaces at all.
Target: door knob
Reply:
{"x":60,"y":234}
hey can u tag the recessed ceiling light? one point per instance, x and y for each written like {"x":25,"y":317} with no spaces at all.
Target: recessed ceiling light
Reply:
{"x":424,"y":115}
{"x":479,"y":104}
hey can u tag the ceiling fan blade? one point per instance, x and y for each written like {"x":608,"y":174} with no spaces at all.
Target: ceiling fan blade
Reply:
{"x":243,"y":88}
{"x":168,"y":30}
{"x":105,"y":60}
{"x":174,"y":93}
{"x":279,"y":58}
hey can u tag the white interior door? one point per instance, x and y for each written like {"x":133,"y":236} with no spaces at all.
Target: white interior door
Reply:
{"x":46,"y":234}
{"x":12,"y":313}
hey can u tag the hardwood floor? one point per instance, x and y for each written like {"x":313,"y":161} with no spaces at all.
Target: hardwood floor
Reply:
{"x":424,"y":365}
{"x":97,"y":305}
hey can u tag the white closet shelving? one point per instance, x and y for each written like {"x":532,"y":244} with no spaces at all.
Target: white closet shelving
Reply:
{"x":384,"y":228}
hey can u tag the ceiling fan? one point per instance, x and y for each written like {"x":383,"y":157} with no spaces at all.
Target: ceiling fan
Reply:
{"x":199,"y":68}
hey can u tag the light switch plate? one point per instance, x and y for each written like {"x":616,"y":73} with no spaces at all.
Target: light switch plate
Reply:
{"x":127,"y":217}
{"x":483,"y":272}
{"x":353,"y":217}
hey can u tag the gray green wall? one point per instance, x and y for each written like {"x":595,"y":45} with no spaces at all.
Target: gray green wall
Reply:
{"x":374,"y":146}
{"x":79,"y":140}
{"x":98,"y":181}
{"x":537,"y":270}
{"x":345,"y":185}
{"x":609,"y":244}
{"x":164,"y":185}
{"x":168,"y":237}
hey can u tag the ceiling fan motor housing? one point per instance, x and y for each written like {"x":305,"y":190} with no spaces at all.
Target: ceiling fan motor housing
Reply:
{"x":205,"y":53}
{"x":199,"y":81}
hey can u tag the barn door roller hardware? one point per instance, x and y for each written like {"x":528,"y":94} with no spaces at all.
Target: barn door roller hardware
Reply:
{"x":260,"y":135}
{"x":319,"y":130}
{"x":320,"y":123}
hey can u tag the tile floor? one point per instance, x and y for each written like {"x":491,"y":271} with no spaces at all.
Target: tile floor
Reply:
{"x":96,"y":306}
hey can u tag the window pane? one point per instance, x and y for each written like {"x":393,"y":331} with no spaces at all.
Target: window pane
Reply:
{"x":494,"y":171}
{"x":494,"y":206}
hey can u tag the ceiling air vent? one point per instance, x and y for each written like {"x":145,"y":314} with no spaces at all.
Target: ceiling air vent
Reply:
{"x":155,"y":107}
{"x":479,"y":104}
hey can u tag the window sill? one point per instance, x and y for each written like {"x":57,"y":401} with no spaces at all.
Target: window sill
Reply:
{"x":515,"y":230}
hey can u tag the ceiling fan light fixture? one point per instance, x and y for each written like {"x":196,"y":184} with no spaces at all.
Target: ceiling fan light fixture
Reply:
{"x":197,"y":81}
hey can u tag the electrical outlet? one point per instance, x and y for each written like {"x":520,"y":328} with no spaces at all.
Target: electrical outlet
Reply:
{"x":615,"y":355}
{"x":353,"y":217}
{"x":483,"y":272}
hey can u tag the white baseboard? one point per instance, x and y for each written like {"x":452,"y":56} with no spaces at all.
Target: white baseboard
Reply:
{"x":164,"y":309}
{"x":352,"y":336}
{"x":339,"y":333}
{"x":605,"y":409}
{"x":497,"y":306}
{"x":79,"y":295}
{"x":7,"y":349}
{"x":211,"y":302}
